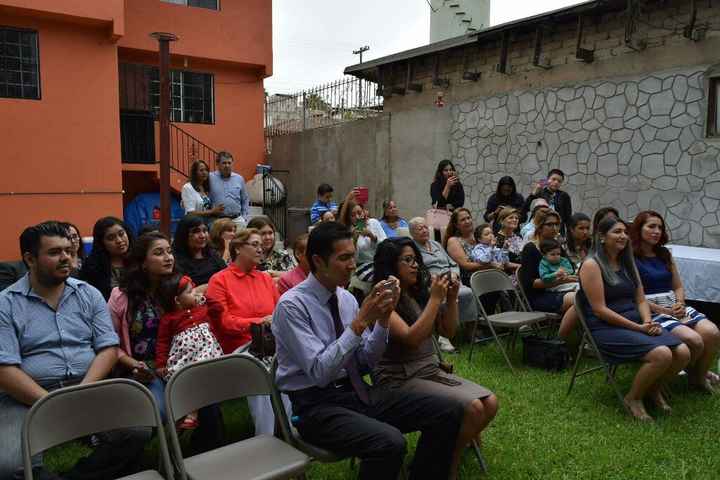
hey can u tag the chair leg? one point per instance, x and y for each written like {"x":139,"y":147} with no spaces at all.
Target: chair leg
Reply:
{"x":500,"y":345}
{"x":610,"y":373}
{"x":478,"y":454}
{"x":583,"y":341}
{"x":472,"y":340}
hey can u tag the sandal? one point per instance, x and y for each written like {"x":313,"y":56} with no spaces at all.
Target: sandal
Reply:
{"x":713,"y":378}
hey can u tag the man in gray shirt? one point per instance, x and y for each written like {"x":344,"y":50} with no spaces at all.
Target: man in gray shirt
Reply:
{"x":325,"y":343}
{"x":227,"y":191}
{"x":55,"y":331}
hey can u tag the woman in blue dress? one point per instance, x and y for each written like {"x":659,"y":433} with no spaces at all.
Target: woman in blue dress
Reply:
{"x":666,"y":297}
{"x":392,"y":223}
{"x":619,"y":319}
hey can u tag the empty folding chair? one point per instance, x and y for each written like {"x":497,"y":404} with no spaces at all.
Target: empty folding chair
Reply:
{"x":588,"y":340}
{"x":216,"y":380}
{"x":490,"y":281}
{"x":78,"y":411}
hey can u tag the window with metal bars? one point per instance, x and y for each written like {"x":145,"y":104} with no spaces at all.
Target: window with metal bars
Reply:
{"x":19,"y":63}
{"x":192,"y":99}
{"x":211,"y":4}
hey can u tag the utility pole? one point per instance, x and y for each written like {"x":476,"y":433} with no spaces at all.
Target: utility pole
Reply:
{"x":164,"y":40}
{"x":360,"y":51}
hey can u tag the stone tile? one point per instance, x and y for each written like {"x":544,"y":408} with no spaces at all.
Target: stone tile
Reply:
{"x":652,"y":166}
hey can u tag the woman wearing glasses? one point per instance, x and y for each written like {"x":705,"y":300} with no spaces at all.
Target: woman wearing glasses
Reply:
{"x":248,"y":296}
{"x":410,"y":363}
{"x":537,"y":291}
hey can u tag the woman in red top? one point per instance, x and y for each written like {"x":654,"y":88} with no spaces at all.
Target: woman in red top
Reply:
{"x":247,"y":296}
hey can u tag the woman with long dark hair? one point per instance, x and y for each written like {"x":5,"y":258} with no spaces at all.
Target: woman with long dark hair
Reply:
{"x":104,"y":267}
{"x":193,"y":254}
{"x":506,"y":195}
{"x":446,"y":191}
{"x":619,"y":318}
{"x":195,"y":194}
{"x":459,"y":242}
{"x":135,"y":311}
{"x":666,"y":297}
{"x":601,"y":214}
{"x":579,"y":239}
{"x":410,"y":362}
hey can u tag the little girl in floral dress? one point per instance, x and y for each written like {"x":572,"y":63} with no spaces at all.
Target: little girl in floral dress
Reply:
{"x":185,"y":331}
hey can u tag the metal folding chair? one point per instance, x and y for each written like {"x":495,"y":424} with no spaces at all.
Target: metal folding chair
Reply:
{"x":490,"y":281}
{"x":551,"y":316}
{"x":78,"y":411}
{"x":474,"y":444}
{"x":216,"y":380}
{"x":588,"y":340}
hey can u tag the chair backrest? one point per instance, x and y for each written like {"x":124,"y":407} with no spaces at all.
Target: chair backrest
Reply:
{"x":73,"y":412}
{"x":216,"y":380}
{"x":519,"y":273}
{"x":490,"y":281}
{"x":281,"y":415}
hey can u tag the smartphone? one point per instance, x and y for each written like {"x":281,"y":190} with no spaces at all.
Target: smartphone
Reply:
{"x":388,"y":285}
{"x":362,"y":195}
{"x":360,"y":225}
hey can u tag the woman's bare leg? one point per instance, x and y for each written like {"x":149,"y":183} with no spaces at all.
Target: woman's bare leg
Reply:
{"x":477,"y":416}
{"x":656,"y":363}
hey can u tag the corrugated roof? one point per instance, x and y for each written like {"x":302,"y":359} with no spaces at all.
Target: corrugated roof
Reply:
{"x":362,"y":70}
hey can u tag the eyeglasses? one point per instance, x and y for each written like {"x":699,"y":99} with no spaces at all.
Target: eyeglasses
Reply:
{"x":255,"y":245}
{"x":409,"y":260}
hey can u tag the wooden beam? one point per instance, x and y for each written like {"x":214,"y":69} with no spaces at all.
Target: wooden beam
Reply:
{"x":437,"y":81}
{"x":538,"y":59}
{"x":587,"y":56}
{"x":502,"y":67}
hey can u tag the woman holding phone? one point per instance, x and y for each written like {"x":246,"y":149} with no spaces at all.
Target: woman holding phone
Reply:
{"x":410,"y":362}
{"x":446,"y":191}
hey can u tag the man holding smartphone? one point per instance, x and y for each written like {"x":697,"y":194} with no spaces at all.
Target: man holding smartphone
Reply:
{"x":325,"y":343}
{"x":558,"y":200}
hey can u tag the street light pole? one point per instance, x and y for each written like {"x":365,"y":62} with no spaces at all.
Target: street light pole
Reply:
{"x":164,"y":40}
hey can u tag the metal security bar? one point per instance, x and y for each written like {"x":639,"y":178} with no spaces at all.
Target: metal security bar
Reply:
{"x":336,"y":102}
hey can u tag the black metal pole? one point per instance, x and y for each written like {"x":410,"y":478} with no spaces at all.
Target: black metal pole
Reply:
{"x":164,"y":40}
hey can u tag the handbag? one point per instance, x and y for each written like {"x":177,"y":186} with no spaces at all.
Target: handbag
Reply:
{"x":437,"y":218}
{"x":546,"y":353}
{"x":262,"y":343}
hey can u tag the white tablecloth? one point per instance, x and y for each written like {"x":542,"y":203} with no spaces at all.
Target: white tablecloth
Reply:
{"x":700,"y":272}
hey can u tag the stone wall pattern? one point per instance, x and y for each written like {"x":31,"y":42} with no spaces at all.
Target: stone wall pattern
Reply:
{"x":634,"y":143}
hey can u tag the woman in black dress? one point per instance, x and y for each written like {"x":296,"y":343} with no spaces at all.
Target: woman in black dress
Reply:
{"x":619,"y":318}
{"x":446,"y":191}
{"x":194,"y":256}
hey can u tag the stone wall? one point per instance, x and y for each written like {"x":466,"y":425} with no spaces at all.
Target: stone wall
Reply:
{"x":634,"y":143}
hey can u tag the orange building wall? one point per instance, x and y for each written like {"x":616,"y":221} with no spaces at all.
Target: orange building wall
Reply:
{"x":68,"y":141}
{"x":240,"y":32}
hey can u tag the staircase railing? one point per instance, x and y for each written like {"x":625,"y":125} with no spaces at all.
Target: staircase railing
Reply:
{"x":186,"y":149}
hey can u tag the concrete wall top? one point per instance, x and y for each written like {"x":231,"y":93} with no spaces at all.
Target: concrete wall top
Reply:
{"x":239,"y":33}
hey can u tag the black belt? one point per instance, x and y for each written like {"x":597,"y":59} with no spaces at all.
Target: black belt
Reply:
{"x":55,"y":384}
{"x":339,"y":384}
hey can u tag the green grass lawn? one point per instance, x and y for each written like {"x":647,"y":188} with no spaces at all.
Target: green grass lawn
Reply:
{"x":542,"y":433}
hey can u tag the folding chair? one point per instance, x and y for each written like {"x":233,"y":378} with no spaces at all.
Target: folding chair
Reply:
{"x":214,"y":381}
{"x":587,"y":339}
{"x":551,"y":316}
{"x":489,"y":281}
{"x":474,"y":444}
{"x":78,"y":411}
{"x":313,"y":451}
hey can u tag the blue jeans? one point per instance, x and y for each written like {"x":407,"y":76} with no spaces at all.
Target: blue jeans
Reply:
{"x":12,"y":415}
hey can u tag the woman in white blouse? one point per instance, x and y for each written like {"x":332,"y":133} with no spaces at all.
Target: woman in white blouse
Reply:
{"x":196,"y":193}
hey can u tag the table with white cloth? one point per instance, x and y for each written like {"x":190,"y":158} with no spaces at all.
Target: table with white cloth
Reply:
{"x":700,"y":272}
